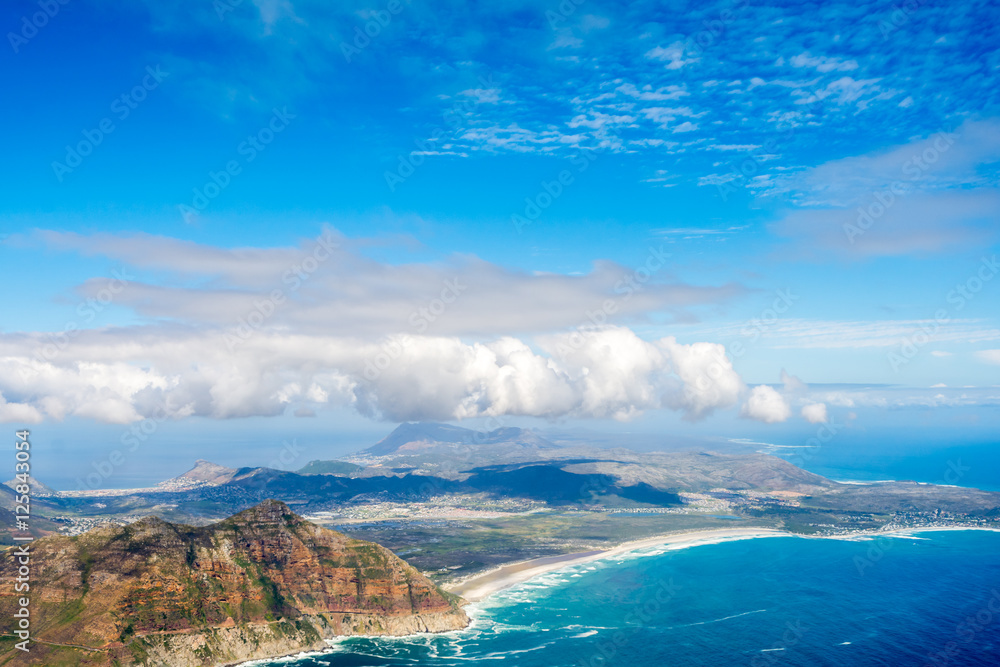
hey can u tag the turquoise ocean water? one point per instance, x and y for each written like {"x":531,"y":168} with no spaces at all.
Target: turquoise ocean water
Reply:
{"x":928,"y":599}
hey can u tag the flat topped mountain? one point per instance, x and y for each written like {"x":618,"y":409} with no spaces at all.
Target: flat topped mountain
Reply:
{"x":417,"y":437}
{"x":262,"y":583}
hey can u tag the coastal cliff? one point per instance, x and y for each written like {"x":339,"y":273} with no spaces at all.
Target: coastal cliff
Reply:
{"x":260,"y":584}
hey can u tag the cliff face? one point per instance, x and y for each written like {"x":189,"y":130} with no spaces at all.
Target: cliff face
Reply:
{"x":260,"y":584}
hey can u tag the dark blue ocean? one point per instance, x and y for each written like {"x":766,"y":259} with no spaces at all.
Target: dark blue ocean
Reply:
{"x":929,"y":599}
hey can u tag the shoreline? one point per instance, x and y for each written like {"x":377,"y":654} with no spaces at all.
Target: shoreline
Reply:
{"x":478,"y":587}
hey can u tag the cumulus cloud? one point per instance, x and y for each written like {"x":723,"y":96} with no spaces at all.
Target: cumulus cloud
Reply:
{"x":792,"y":384}
{"x":815,"y":413}
{"x":123,"y":375}
{"x":767,"y":405}
{"x":261,"y":331}
{"x":18,"y":412}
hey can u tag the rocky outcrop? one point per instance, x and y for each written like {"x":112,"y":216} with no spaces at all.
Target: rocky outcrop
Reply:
{"x":207,"y":472}
{"x":262,"y":583}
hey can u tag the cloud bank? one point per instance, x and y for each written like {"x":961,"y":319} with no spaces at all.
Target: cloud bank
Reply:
{"x":124,"y":375}
{"x":239,"y":332}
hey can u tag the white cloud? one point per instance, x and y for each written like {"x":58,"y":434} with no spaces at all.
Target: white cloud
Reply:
{"x":18,"y":413}
{"x":673,"y":55}
{"x":122,"y":375}
{"x":344,"y":293}
{"x":923,"y":196}
{"x":255,"y":331}
{"x":901,"y":398}
{"x":483,"y":95}
{"x":765,"y":404}
{"x":815,"y":413}
{"x":648,"y":93}
{"x":989,"y":356}
{"x":795,"y":333}
{"x":707,"y":380}
{"x":823,"y":63}
{"x":793,"y":385}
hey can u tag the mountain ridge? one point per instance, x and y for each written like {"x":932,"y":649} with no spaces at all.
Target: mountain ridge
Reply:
{"x":261,"y":583}
{"x":417,"y":436}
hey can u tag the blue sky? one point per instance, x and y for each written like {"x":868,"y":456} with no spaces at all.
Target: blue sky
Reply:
{"x":836,"y":163}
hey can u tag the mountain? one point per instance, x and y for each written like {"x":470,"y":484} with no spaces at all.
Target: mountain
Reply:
{"x":260,"y":584}
{"x":554,"y":485}
{"x":39,"y":524}
{"x":206,"y":472}
{"x":329,"y":468}
{"x":418,"y":438}
{"x":702,"y":471}
{"x":38,"y":490}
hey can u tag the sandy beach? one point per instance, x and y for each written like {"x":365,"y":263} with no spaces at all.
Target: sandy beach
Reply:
{"x":479,"y":586}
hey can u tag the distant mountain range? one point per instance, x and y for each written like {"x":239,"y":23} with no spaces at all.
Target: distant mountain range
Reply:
{"x":260,"y":584}
{"x":419,"y":462}
{"x":329,"y":468}
{"x":429,"y":438}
